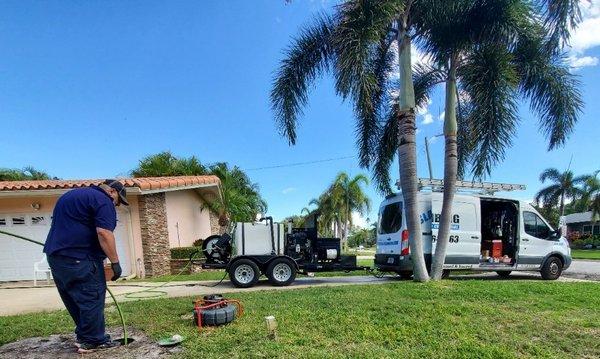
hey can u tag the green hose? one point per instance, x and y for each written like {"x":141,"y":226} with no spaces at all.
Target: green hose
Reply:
{"x":107,"y":289}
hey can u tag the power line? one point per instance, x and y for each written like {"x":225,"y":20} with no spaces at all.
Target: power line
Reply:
{"x":300,"y":163}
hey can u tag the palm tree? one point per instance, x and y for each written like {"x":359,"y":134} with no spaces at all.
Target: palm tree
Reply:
{"x":27,"y":173}
{"x":494,"y":51}
{"x":366,"y":45}
{"x":564,"y":186}
{"x":348,"y":196}
{"x":166,"y":164}
{"x":240,"y":198}
{"x":590,"y":196}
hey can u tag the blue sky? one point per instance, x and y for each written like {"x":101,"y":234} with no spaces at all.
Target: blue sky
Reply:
{"x":89,"y":88}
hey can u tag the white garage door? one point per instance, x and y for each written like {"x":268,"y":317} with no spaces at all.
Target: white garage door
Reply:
{"x":18,"y":256}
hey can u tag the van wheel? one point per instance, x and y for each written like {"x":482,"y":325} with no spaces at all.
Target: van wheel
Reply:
{"x":405,"y":274}
{"x":281,"y":272}
{"x":552,"y":269}
{"x":244,"y":273}
{"x":503,"y":273}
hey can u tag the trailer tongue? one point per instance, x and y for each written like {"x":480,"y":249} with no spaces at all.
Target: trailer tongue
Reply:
{"x":275,"y":250}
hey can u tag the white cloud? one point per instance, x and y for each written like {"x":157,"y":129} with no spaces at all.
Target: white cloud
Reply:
{"x":359,"y":221}
{"x":427,"y":119}
{"x":432,"y":139}
{"x":584,"y":61}
{"x":441,"y":116}
{"x":288,"y":190}
{"x":585,"y":36}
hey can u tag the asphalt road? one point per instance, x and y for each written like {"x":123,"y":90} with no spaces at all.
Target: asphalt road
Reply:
{"x":583,"y":269}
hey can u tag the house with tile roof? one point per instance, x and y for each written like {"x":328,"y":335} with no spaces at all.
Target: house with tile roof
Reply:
{"x":164,"y":213}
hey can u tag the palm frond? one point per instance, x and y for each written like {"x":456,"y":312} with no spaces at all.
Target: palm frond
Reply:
{"x":490,"y":81}
{"x":308,"y":57}
{"x":552,"y":174}
{"x":560,"y":16}
{"x":360,"y":24}
{"x":372,"y":90}
{"x":552,"y":90}
{"x":386,"y":151}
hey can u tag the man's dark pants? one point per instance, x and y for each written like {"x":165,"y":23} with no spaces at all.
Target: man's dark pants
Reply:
{"x":82,"y":287}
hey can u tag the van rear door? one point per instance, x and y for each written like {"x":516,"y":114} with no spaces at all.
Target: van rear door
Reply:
{"x":465,"y":238}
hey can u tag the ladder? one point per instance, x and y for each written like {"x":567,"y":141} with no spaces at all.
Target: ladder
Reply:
{"x":485,"y":187}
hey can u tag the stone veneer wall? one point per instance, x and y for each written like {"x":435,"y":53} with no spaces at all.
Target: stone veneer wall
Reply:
{"x":155,"y":235}
{"x":215,"y":228}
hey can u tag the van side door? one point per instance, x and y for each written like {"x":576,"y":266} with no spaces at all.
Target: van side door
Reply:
{"x":465,"y":238}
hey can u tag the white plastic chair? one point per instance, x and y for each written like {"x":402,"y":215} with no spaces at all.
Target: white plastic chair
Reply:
{"x":41,"y":267}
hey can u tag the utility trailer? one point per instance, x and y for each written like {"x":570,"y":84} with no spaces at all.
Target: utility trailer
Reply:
{"x":275,"y":250}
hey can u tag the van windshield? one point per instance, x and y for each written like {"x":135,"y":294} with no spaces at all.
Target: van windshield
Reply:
{"x":390,"y":218}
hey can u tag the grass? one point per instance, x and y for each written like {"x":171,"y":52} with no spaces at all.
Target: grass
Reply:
{"x":218,"y":274}
{"x":448,"y":319}
{"x":585,"y":254}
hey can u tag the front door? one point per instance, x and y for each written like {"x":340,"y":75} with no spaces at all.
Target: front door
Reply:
{"x":535,"y":240}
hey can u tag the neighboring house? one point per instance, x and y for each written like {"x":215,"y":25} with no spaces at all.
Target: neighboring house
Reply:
{"x":582,"y":222}
{"x":164,"y":212}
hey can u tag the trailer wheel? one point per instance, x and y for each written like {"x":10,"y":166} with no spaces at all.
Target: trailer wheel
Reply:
{"x":281,"y":272}
{"x":503,"y":273}
{"x":217,"y":316}
{"x":244,"y":273}
{"x":552,"y":269}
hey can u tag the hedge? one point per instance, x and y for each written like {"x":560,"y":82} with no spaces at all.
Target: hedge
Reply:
{"x":183,"y":252}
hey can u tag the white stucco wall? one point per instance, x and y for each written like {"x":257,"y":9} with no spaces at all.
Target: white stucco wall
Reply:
{"x":186,"y":220}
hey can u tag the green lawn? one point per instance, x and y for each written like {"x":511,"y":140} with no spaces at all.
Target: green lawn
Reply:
{"x":452,"y":319}
{"x":586,"y":254}
{"x":218,"y":274}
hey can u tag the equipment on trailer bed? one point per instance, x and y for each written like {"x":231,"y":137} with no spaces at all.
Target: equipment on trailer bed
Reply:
{"x":275,"y":251}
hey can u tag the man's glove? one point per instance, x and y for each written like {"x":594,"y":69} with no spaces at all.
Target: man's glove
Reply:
{"x":116,"y":267}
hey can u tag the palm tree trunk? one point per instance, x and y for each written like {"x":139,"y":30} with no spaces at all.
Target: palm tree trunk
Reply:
{"x":562,"y":204}
{"x":450,"y":173}
{"x":407,"y":155}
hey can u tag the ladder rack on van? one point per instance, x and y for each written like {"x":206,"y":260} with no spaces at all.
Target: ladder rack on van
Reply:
{"x":484,"y":187}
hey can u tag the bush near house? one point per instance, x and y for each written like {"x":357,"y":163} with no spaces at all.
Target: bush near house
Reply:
{"x":586,"y":242}
{"x":183,"y":252}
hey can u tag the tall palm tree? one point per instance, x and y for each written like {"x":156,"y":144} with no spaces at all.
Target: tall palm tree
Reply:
{"x":495,"y":52}
{"x":589,"y":199}
{"x":240,"y":197}
{"x":349,"y":197}
{"x":366,"y":45}
{"x":563,"y":186}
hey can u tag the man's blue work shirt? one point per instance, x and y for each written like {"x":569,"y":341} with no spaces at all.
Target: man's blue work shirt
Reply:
{"x":76,"y":215}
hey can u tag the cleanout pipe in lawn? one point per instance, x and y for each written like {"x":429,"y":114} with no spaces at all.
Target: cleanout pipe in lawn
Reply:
{"x":108,"y":289}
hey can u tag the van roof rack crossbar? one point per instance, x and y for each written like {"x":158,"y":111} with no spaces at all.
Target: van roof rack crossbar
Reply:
{"x":486,"y":187}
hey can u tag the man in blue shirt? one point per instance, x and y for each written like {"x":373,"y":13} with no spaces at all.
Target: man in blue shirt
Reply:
{"x":80,"y":238}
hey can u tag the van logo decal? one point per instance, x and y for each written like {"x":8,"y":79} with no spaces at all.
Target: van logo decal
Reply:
{"x":454,"y":227}
{"x":426,"y":217}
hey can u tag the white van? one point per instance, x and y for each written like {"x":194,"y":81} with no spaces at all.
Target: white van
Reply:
{"x":487,"y":233}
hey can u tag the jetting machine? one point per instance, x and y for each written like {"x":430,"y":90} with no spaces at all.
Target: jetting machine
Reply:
{"x":275,"y":250}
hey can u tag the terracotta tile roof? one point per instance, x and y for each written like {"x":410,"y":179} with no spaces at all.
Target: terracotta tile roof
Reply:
{"x":143,"y":183}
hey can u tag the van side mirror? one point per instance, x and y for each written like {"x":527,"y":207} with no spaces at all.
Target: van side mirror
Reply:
{"x":555,"y":235}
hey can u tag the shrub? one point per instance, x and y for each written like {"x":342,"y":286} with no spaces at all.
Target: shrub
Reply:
{"x":183,"y":252}
{"x":577,"y":244}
